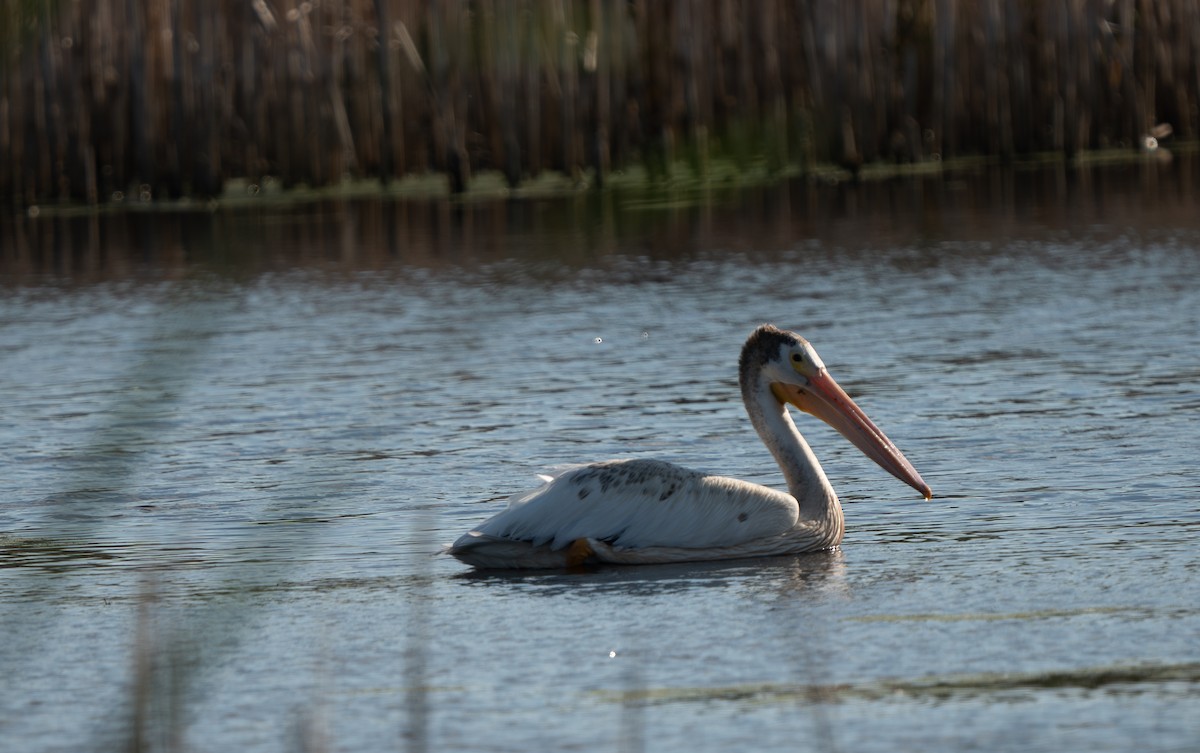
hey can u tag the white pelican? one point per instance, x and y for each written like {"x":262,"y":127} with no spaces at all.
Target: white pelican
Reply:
{"x":650,"y":511}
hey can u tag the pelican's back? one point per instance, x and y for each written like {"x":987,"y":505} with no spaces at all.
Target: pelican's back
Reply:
{"x":635,"y":504}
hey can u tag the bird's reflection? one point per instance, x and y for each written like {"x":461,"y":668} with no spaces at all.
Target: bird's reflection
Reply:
{"x":805,"y":574}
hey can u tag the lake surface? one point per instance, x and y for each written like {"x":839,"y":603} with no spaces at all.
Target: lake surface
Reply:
{"x":233,"y":440}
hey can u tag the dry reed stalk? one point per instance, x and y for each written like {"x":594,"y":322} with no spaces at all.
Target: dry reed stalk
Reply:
{"x":110,"y":98}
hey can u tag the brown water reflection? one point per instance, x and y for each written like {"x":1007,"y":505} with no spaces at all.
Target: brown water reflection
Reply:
{"x":591,"y":229}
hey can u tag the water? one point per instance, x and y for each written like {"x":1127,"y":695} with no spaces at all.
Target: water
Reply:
{"x":231,"y":442}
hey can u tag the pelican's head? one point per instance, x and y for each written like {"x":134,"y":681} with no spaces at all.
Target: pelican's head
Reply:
{"x":788,"y":366}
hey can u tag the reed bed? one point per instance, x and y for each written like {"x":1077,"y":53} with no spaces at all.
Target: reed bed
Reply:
{"x":141,"y":99}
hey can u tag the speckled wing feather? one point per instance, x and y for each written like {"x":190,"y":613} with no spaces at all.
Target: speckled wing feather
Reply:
{"x":642,"y":503}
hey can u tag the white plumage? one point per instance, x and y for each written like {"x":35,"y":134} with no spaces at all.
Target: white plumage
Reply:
{"x":643,"y":503}
{"x":647,"y":511}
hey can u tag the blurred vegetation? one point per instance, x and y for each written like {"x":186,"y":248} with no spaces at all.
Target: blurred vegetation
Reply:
{"x":115,"y":99}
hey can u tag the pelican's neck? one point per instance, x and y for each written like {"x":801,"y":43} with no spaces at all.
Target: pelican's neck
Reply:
{"x":805,"y":479}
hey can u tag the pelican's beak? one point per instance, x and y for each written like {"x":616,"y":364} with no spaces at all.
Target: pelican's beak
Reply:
{"x":823,"y":398}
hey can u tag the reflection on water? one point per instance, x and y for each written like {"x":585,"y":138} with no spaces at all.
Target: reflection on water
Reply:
{"x":235,"y":440}
{"x":1002,"y":687}
{"x":553,"y":238}
{"x":816,"y":573}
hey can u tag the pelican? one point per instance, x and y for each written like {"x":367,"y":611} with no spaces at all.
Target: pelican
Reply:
{"x":649,"y":511}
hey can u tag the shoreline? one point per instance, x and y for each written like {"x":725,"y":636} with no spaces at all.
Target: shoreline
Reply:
{"x":682,"y":181}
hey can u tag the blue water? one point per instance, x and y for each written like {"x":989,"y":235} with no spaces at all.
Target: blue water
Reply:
{"x":232,"y":443}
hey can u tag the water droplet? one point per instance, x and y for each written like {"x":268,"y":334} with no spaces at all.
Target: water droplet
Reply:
{"x":598,"y":340}
{"x":612,"y":654}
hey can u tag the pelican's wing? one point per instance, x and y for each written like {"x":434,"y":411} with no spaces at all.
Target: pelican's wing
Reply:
{"x":641,"y":503}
